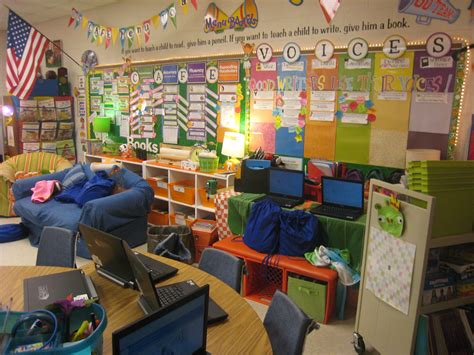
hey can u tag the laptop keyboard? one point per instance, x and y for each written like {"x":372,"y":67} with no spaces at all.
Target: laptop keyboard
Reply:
{"x":334,"y":211}
{"x":282,"y":201}
{"x":169,"y":294}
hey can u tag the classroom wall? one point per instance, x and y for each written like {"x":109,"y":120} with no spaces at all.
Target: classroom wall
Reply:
{"x":278,"y":19}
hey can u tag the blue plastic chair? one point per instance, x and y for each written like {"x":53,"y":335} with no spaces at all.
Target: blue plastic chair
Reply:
{"x":224,"y":266}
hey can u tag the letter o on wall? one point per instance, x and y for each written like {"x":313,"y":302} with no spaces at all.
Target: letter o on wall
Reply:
{"x":357,"y":49}
{"x":291,"y":52}
{"x":438,"y":44}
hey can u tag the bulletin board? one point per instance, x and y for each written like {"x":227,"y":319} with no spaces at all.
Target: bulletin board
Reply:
{"x":184,"y":103}
{"x":367,"y":112}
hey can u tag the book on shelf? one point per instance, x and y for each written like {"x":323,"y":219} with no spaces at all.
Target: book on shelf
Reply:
{"x":446,"y":332}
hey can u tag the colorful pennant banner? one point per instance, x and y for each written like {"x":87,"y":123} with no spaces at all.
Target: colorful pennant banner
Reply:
{"x":139,"y":33}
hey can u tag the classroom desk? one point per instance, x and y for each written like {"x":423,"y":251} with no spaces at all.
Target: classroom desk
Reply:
{"x":339,"y":233}
{"x":242,"y":332}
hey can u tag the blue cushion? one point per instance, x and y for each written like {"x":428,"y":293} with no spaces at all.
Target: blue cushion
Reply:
{"x":12,"y":232}
{"x":97,"y":187}
{"x":70,"y":194}
{"x":74,"y":176}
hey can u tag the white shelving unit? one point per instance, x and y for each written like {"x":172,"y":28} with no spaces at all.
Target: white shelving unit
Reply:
{"x":150,"y":168}
{"x":386,"y":329}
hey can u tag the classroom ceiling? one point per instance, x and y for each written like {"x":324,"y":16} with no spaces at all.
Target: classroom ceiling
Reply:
{"x":37,"y":11}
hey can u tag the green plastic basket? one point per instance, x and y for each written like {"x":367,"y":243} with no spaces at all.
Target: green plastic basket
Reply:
{"x":208,"y":165}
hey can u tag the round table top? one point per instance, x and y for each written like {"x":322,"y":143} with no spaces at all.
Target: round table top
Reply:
{"x":242,"y":332}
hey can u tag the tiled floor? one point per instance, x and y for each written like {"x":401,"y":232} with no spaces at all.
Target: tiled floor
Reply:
{"x":334,"y":338}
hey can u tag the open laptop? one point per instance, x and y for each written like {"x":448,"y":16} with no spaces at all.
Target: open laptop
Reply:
{"x":111,"y":261}
{"x":341,"y":198}
{"x":179,"y":328}
{"x":286,"y":187}
{"x":154,"y":298}
{"x":41,"y":291}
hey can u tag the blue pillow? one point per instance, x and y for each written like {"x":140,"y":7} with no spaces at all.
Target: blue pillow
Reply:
{"x":97,"y":187}
{"x":70,"y":194}
{"x":73,"y":176}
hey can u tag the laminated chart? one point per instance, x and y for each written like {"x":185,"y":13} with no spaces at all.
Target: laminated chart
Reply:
{"x":290,"y":109}
{"x":353,"y":126}
{"x":320,"y":130}
{"x":263,"y":86}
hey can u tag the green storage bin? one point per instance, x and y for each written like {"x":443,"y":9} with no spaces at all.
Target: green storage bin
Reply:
{"x":309,"y":295}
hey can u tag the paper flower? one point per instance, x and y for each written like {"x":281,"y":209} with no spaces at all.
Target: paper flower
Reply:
{"x":279,"y":102}
{"x":339,"y":114}
{"x":298,"y":138}
{"x":301,"y":116}
{"x":304,"y":102}
{"x":369,"y":104}
{"x":371,"y":117}
{"x":277,"y":112}
{"x":353,"y":105}
{"x":360,"y":100}
{"x":301,"y":123}
{"x":342,"y":99}
{"x":303,"y":95}
{"x":344,"y":107}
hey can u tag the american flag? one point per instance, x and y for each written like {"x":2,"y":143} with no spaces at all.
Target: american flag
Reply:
{"x":25,"y":51}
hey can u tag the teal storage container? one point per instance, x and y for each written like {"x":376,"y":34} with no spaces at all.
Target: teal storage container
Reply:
{"x":91,"y":345}
{"x":309,"y":295}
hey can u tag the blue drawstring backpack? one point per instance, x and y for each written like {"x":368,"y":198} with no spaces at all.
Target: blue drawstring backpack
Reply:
{"x":263,"y":227}
{"x":12,"y":232}
{"x":298,"y":231}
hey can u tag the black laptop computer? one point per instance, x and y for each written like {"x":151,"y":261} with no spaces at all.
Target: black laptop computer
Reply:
{"x":286,"y":187}
{"x":341,"y":198}
{"x":111,"y":261}
{"x":179,"y":328}
{"x":43,"y":290}
{"x":154,"y":298}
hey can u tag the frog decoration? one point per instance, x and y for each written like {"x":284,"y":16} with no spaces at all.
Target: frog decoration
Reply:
{"x":390,"y":216}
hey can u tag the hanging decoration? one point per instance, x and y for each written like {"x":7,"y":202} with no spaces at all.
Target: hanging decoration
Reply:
{"x":89,"y":61}
{"x":136,"y":34}
{"x":390,"y":217}
{"x":248,"y":49}
{"x":216,"y":20}
{"x":425,"y":11}
{"x":329,"y":8}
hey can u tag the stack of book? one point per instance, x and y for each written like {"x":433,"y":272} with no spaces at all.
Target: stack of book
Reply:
{"x":452,"y":183}
{"x":447,"y":332}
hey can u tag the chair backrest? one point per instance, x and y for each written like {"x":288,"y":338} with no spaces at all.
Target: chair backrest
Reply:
{"x":286,"y":325}
{"x":222,"y":265}
{"x":57,"y":247}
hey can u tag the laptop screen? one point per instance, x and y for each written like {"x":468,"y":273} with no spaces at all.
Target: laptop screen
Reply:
{"x":286,"y":182}
{"x":180,"y":328}
{"x":343,"y":192}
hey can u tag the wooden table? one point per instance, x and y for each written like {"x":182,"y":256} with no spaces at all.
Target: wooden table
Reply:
{"x":241,"y":333}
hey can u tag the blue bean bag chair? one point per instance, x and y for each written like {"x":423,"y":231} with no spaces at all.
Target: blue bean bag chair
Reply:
{"x":12,"y":232}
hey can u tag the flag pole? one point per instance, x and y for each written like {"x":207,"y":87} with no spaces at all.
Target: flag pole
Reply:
{"x":54,"y":44}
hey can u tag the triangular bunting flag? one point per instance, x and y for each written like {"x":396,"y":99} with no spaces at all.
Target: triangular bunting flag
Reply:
{"x":164,"y":18}
{"x":123,"y":34}
{"x":146,"y":30}
{"x":78,"y":20}
{"x":100,"y":37}
{"x":90,"y":28}
{"x":155,"y":19}
{"x":130,"y":35}
{"x":108,"y":37}
{"x":139,"y":32}
{"x":85,"y":21}
{"x":329,"y":8}
{"x":114,"y":35}
{"x":73,"y":17}
{"x":195,"y":4}
{"x":172,"y":14}
{"x":184,"y":6}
